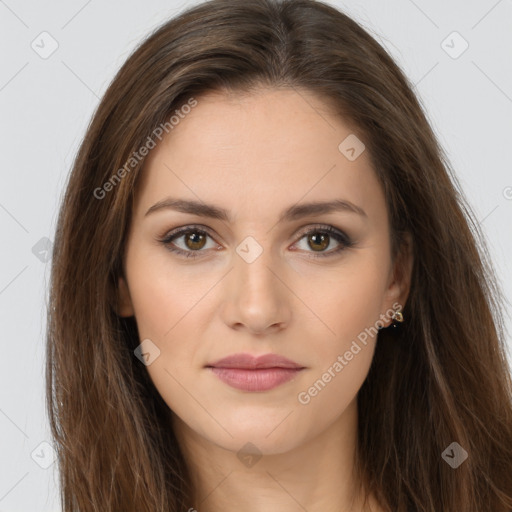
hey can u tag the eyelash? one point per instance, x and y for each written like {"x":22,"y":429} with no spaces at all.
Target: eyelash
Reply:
{"x":339,"y":236}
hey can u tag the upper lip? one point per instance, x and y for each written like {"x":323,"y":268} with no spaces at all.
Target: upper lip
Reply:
{"x":249,"y":362}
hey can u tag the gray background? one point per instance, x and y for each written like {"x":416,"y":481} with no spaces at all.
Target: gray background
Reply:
{"x":46,"y":104}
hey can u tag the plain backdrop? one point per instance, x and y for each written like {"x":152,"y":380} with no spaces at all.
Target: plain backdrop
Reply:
{"x":457,"y":54}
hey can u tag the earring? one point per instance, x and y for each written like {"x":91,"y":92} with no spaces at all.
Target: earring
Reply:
{"x":397,"y":318}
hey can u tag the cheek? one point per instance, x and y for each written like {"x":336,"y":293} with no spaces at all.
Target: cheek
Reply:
{"x":169,"y":305}
{"x":164,"y":296}
{"x":342,"y":360}
{"x":344,"y":303}
{"x":349,"y":306}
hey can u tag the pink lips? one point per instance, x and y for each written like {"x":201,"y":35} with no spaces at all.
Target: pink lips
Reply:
{"x":249,"y":373}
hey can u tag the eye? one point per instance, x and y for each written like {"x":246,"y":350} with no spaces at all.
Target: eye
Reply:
{"x":194,"y":240}
{"x":320,"y":238}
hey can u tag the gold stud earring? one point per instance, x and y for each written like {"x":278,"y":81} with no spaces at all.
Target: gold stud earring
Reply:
{"x":397,"y":318}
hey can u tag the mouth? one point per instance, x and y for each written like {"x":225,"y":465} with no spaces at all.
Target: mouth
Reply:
{"x":249,"y":373}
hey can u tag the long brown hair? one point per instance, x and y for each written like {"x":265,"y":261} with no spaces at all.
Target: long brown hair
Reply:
{"x":442,"y":378}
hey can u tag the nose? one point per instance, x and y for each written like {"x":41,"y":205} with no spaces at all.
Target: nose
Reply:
{"x":257,"y":297}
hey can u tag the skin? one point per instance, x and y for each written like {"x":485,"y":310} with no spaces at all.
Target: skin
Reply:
{"x":255,"y":155}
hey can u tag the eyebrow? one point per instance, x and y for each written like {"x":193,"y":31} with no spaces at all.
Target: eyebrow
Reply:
{"x":292,"y":213}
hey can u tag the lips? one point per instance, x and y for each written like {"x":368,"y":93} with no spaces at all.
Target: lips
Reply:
{"x":249,"y":373}
{"x":248,"y":362}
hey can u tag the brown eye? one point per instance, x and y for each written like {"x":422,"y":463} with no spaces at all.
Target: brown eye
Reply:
{"x":318,"y":241}
{"x":188,"y":242}
{"x":194,"y":240}
{"x":320,"y":238}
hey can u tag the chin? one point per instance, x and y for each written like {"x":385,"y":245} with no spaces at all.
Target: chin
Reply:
{"x":270,"y":434}
{"x":258,"y":443}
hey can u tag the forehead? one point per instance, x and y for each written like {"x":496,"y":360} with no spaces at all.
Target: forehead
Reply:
{"x":254,"y":151}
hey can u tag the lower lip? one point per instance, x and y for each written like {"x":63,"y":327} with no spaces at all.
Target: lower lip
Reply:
{"x":262,"y":379}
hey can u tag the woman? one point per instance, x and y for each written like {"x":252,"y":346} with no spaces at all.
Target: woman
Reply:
{"x":267,"y":291}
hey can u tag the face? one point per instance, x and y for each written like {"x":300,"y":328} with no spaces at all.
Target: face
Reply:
{"x":250,"y":270}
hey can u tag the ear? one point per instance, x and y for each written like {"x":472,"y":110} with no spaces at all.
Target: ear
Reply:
{"x":124,"y":301}
{"x":400,"y":279}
